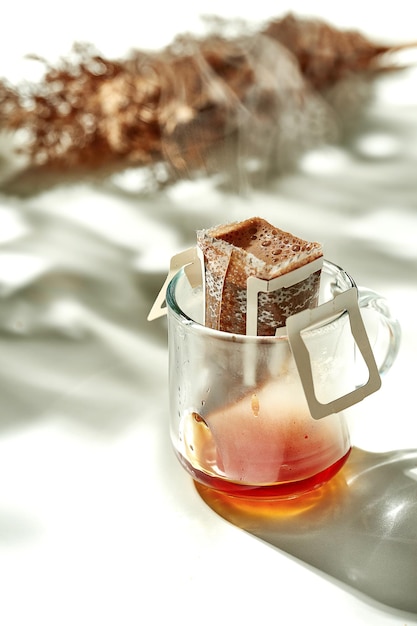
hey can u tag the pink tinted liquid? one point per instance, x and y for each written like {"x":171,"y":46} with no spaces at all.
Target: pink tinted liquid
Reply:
{"x":304,"y":461}
{"x":288,"y":489}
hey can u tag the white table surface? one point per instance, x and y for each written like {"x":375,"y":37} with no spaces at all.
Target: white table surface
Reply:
{"x":99,"y":525}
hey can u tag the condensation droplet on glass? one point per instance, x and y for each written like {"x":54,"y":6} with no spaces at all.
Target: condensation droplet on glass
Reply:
{"x":255,"y":405}
{"x":197,"y":418}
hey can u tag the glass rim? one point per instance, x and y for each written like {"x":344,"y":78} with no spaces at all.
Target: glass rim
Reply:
{"x":174,"y":307}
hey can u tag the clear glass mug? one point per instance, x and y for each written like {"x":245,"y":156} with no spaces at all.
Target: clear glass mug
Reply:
{"x":239,"y":417}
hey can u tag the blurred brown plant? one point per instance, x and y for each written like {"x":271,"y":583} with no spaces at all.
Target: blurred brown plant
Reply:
{"x":201,"y":105}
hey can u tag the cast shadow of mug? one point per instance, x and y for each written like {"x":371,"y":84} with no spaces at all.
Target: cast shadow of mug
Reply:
{"x":360,"y":528}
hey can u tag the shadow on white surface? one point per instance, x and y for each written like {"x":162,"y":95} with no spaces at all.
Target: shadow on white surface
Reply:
{"x":361,"y":528}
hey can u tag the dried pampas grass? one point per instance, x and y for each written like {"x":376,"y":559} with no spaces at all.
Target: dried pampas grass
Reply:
{"x":242,"y":107}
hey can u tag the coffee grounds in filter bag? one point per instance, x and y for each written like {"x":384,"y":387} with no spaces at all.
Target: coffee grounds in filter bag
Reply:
{"x":234,"y":252}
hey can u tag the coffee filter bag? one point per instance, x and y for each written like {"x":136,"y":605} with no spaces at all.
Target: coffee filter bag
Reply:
{"x":235,"y":252}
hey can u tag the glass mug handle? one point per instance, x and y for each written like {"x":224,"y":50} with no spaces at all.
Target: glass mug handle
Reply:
{"x":383,"y":328}
{"x":378,"y":350}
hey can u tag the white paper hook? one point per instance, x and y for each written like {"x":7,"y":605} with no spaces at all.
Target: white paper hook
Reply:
{"x":347,"y":301}
{"x":191,"y":261}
